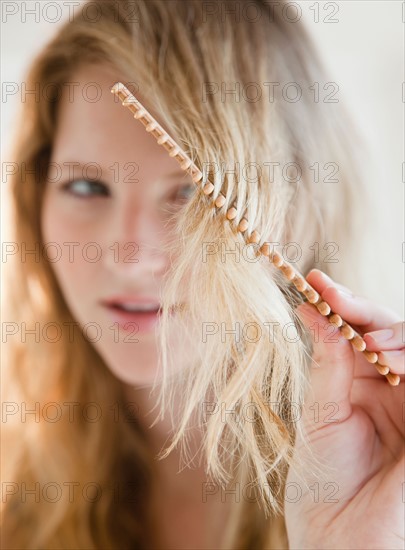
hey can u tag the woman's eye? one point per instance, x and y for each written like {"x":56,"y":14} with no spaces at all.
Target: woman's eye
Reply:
{"x":86,"y":188}
{"x":185,"y":192}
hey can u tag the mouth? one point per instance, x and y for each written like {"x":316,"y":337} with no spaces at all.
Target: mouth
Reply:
{"x":133,"y":314}
{"x":136,"y":308}
{"x":140,"y":315}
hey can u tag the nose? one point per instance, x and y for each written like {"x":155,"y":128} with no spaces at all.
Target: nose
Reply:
{"x":134,"y":239}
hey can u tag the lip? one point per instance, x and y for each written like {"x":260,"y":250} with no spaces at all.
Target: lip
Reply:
{"x":132,"y":321}
{"x":122,"y":298}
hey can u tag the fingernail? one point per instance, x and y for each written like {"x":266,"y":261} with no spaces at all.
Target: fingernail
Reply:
{"x":381,"y":335}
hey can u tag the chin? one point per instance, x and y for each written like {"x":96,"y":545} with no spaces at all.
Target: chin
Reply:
{"x":137,"y":367}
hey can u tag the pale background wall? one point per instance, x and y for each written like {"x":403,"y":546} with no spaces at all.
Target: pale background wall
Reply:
{"x":363,"y":51}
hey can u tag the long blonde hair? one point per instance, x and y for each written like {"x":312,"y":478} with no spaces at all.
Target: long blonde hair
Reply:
{"x":186,"y":60}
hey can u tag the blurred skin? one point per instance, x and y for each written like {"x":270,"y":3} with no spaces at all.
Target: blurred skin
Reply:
{"x":119,"y":210}
{"x":132,"y":182}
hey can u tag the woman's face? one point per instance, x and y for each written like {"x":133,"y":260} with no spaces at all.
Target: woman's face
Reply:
{"x":104,"y":208}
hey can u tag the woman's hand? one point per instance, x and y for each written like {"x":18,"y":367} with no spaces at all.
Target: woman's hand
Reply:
{"x":354,"y":421}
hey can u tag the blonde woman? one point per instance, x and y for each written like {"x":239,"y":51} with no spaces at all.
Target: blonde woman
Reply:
{"x":174,"y":401}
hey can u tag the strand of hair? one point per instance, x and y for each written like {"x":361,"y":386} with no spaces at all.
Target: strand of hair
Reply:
{"x":175,"y":151}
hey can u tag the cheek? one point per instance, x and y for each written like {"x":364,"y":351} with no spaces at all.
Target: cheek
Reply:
{"x":67,"y":247}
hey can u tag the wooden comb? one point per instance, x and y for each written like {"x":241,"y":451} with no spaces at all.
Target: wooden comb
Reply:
{"x":175,"y":151}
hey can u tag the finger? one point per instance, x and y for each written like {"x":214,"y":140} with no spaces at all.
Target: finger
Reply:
{"x":332,"y":366}
{"x":395,"y":360}
{"x":356,"y":310}
{"x":392,"y":338}
{"x":322,"y":281}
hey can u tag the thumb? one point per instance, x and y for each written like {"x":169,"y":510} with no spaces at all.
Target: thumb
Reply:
{"x":331,"y":367}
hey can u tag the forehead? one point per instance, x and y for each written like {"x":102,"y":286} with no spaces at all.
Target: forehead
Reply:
{"x":93,"y":126}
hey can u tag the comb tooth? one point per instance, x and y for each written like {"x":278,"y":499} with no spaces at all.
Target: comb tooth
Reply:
{"x":220,"y":201}
{"x":336,"y":320}
{"x":323,"y":308}
{"x":254,"y":237}
{"x":382,"y":369}
{"x":129,"y":100}
{"x":151,"y":126}
{"x":311,"y":295}
{"x":393,"y":379}
{"x":175,"y":151}
{"x":358,"y":343}
{"x":265,"y":248}
{"x":185,"y":165}
{"x":300,"y":283}
{"x":139,"y":114}
{"x":288,"y":271}
{"x":243,"y":225}
{"x":371,"y":356}
{"x":117,"y":88}
{"x":231,"y":214}
{"x":347,"y":331}
{"x":197,"y":177}
{"x":277,"y":259}
{"x":208,"y":188}
{"x":162,"y":139}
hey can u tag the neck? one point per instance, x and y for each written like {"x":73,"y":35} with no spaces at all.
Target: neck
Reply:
{"x":183,"y":492}
{"x":144,"y":404}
